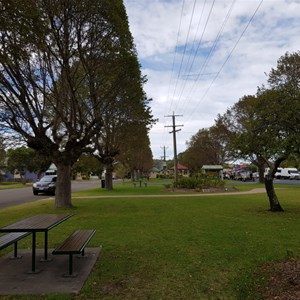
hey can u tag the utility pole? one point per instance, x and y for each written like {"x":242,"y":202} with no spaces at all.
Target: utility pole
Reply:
{"x":164,"y":159}
{"x":164,"y":156}
{"x":174,"y":142}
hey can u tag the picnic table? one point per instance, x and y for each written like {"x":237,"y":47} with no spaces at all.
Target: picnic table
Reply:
{"x":34,"y":224}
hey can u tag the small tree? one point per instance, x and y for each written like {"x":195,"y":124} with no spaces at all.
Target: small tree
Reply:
{"x":24,"y":159}
{"x":87,"y":164}
{"x":207,"y":146}
{"x":136,"y":153}
{"x":250,"y":138}
{"x":265,"y":127}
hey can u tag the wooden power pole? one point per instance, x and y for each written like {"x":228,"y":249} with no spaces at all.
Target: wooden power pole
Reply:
{"x":174,"y":142}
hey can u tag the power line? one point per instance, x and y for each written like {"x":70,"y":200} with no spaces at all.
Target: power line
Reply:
{"x":227,"y":58}
{"x":174,"y":57}
{"x":176,"y":47}
{"x":184,"y":51}
{"x":198,"y":47}
{"x":204,"y":65}
{"x":212,"y":49}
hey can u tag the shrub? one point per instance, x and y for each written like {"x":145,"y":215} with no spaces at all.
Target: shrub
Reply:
{"x":198,"y":182}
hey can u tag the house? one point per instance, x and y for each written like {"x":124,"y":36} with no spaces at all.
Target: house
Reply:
{"x":181,"y":169}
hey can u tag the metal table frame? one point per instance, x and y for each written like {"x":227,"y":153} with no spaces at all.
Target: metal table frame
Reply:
{"x":34,"y":224}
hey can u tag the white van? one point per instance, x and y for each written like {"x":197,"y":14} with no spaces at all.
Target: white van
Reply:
{"x":285,"y":173}
{"x":278,"y":174}
{"x":290,"y":173}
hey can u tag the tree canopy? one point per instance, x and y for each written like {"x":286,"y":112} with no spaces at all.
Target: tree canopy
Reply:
{"x":265,"y":127}
{"x":63,"y":66}
{"x":24,"y":159}
{"x":207,"y":146}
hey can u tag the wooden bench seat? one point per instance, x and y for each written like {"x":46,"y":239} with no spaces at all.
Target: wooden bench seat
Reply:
{"x":74,"y":244}
{"x":12,"y":238}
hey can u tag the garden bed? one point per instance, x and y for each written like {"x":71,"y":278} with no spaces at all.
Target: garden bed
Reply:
{"x":283,"y":280}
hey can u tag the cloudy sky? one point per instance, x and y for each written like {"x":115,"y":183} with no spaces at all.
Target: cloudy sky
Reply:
{"x":202,"y":56}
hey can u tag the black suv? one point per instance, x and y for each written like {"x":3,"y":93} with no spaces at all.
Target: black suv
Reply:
{"x":45,"y":185}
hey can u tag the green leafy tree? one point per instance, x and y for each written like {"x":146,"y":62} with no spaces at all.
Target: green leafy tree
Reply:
{"x":278,"y":136}
{"x":88,"y":164}
{"x":206,"y":147}
{"x":197,"y":153}
{"x":279,"y":109}
{"x":136,"y":154}
{"x":255,"y":136}
{"x":59,"y":72}
{"x":265,"y":127}
{"x":2,"y":154}
{"x":242,"y":142}
{"x":123,"y":121}
{"x":24,"y":159}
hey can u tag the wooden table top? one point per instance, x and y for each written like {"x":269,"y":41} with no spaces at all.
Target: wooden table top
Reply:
{"x":41,"y":222}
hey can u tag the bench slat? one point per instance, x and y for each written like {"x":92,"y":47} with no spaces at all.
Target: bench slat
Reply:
{"x":11,"y":238}
{"x":75,"y":243}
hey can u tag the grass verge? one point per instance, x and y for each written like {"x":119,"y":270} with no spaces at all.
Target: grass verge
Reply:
{"x":11,"y":185}
{"x":175,"y":248}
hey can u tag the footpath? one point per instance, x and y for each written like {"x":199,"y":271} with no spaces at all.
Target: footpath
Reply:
{"x":254,"y":191}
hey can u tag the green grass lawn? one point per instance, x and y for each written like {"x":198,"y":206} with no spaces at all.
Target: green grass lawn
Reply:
{"x":175,"y":248}
{"x":11,"y":185}
{"x":154,"y":187}
{"x":127,"y":188}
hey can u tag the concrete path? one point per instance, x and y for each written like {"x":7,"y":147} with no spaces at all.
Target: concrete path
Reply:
{"x":15,"y":280}
{"x":254,"y":191}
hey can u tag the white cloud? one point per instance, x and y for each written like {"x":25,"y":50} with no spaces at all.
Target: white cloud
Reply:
{"x":219,"y":76}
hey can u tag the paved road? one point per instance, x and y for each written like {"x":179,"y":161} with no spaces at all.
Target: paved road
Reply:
{"x":276,"y":181}
{"x":11,"y":197}
{"x":286,"y":181}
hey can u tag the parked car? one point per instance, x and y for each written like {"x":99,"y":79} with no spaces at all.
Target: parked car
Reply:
{"x":45,"y":185}
{"x":243,"y":175}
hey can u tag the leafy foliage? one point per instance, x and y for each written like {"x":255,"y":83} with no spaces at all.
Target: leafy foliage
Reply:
{"x":207,"y":146}
{"x":68,"y":71}
{"x":87,"y":164}
{"x":26,"y":159}
{"x":265,"y":128}
{"x":2,"y":153}
{"x":198,"y":182}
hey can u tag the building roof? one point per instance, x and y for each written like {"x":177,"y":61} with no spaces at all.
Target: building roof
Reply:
{"x":180,"y":167}
{"x":52,"y":167}
{"x":212,"y":167}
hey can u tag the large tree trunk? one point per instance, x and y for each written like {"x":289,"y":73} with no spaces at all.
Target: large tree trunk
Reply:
{"x":273,"y":200}
{"x":261,"y":175}
{"x":260,"y":162}
{"x":108,"y":180}
{"x":63,"y":186}
{"x":108,"y":177}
